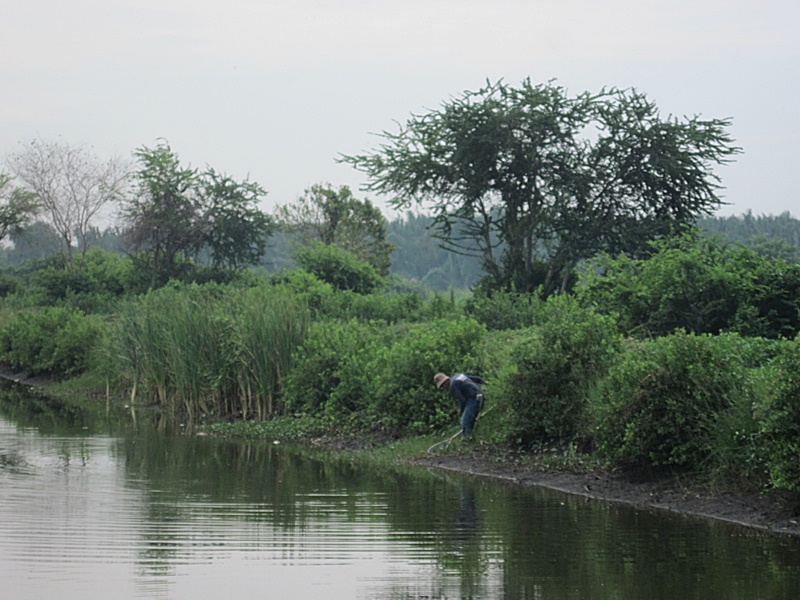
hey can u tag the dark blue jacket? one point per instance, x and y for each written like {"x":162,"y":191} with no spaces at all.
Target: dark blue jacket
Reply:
{"x":463,"y":387}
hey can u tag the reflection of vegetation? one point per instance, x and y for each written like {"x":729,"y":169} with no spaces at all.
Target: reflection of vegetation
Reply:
{"x":482,"y":538}
{"x":473,"y":539}
{"x":607,"y":551}
{"x":30,"y":408}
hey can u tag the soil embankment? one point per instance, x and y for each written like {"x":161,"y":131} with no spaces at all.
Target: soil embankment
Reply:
{"x":770,"y":511}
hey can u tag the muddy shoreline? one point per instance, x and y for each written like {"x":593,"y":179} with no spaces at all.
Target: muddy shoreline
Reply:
{"x":771,"y":511}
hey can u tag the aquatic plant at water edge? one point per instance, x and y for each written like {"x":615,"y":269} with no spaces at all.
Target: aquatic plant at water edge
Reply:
{"x":210,"y":349}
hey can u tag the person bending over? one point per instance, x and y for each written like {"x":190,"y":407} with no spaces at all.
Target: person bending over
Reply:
{"x":468,"y":394}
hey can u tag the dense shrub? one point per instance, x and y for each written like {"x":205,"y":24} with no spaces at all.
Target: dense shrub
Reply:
{"x":662,"y":401}
{"x":101,"y":278}
{"x":50,"y":340}
{"x":504,"y":310}
{"x":698,"y":285}
{"x":340,"y":268}
{"x":557,"y":363}
{"x":306,"y":286}
{"x":10,"y":282}
{"x":779,"y":418}
{"x":331,"y":373}
{"x":405,"y":398}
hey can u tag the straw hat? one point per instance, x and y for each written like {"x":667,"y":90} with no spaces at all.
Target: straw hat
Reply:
{"x":440,"y":379}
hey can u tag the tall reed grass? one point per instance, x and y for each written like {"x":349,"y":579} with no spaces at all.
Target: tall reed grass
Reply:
{"x":209,"y":350}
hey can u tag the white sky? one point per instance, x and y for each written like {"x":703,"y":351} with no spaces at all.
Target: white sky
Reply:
{"x":275,"y":90}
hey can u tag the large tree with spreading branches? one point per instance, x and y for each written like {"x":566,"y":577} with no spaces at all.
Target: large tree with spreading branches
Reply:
{"x":537,"y":179}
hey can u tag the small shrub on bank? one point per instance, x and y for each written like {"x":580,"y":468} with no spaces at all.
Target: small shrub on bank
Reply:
{"x":661,"y":402}
{"x":779,"y":418}
{"x":52,"y":340}
{"x":330,"y":372}
{"x":557,"y":363}
{"x":405,"y":397}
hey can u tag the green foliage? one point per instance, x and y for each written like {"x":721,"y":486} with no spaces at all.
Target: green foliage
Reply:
{"x":234,"y":229}
{"x":697,"y":284}
{"x":504,"y":310}
{"x":778,"y":414}
{"x":405,"y":396}
{"x":102,"y":278}
{"x":340,"y":268}
{"x":336,"y":217}
{"x":332,"y":369}
{"x":210,"y":349}
{"x":377,"y":376}
{"x":558,"y":362}
{"x":527,"y":170}
{"x":10,"y":282}
{"x":17,"y":206}
{"x":662,"y":401}
{"x":50,"y":340}
{"x":178,"y":213}
{"x":163,"y":217}
{"x":314,"y":292}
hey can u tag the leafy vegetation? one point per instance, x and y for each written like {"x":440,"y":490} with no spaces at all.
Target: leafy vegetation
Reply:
{"x":532,"y":177}
{"x":667,"y":352}
{"x":698,"y":284}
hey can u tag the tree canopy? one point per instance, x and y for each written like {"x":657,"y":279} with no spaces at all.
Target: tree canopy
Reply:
{"x":71,"y":186}
{"x":178,"y":212}
{"x":536,"y":176}
{"x":17,"y":206}
{"x":337,"y":217}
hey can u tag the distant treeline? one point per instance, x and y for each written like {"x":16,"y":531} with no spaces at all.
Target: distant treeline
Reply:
{"x":419,"y":257}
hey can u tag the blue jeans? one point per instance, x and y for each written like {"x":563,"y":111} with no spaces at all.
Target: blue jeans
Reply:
{"x":470,"y":414}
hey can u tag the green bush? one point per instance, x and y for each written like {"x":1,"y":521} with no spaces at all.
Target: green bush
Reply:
{"x":306,"y":286}
{"x":557,"y":364}
{"x":330,"y":372}
{"x":10,"y":282}
{"x":101,"y":278}
{"x":340,"y":268}
{"x":699,"y":285}
{"x":51,"y":340}
{"x":405,"y":398}
{"x":778,"y":415}
{"x":662,"y":401}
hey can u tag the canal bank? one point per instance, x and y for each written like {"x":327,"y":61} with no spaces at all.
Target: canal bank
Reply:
{"x":774,"y":511}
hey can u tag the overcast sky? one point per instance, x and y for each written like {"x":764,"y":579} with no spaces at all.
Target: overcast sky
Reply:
{"x":276,"y":90}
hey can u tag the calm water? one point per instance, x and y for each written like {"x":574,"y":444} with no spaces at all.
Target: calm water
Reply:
{"x":89,"y":510}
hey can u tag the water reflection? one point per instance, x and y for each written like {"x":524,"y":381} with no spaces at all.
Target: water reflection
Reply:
{"x":88,"y":511}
